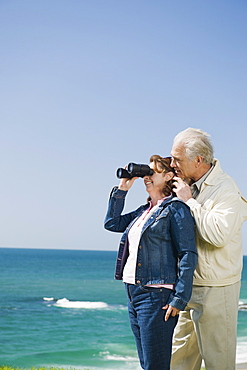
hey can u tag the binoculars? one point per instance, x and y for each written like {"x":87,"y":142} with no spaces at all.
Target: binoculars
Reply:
{"x":134,"y":170}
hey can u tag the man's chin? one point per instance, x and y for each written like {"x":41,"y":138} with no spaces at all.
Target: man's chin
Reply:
{"x":188,"y":180}
{"x":179,"y":174}
{"x":185,"y":179}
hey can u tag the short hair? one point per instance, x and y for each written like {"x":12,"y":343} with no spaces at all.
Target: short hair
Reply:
{"x":196,"y":142}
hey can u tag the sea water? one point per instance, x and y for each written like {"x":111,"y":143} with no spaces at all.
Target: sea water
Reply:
{"x":63,"y":308}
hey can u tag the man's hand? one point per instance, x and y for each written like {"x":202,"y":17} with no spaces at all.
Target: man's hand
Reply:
{"x":182,"y":189}
{"x":170,"y":311}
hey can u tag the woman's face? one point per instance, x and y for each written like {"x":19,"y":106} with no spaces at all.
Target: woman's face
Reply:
{"x":156,"y":183}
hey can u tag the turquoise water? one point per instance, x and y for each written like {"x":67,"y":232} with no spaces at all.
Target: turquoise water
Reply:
{"x":88,"y":329}
{"x":64,"y":308}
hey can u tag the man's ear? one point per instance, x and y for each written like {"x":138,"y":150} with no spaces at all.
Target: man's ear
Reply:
{"x":198,"y":161}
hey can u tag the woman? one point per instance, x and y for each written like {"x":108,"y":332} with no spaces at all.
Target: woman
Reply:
{"x":156,"y":260}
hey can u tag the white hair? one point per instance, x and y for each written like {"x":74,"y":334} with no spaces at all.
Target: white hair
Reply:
{"x":196,"y":143}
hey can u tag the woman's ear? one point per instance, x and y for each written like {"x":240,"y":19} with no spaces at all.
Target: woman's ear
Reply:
{"x":169,"y":176}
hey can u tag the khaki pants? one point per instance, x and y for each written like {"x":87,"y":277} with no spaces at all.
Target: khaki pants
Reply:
{"x":207,"y":329}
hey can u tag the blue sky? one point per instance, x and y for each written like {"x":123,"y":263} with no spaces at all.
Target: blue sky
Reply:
{"x":89,"y":86}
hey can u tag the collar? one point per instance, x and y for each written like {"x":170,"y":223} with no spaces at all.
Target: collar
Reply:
{"x":159,"y":202}
{"x":198,"y":183}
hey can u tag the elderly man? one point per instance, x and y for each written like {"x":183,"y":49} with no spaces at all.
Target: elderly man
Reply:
{"x":207,"y":328}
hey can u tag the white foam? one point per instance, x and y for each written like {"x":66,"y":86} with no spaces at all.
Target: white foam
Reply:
{"x":241,"y":352}
{"x":113,"y":357}
{"x":65,"y":303}
{"x":242,"y":306}
{"x":120,"y":358}
{"x":48,"y":299}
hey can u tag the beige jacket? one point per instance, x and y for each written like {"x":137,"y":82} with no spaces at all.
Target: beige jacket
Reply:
{"x":219,"y":211}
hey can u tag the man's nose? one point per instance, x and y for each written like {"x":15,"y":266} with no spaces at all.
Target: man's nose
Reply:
{"x":172,"y":164}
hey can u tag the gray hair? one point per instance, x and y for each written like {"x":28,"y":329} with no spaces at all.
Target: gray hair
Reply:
{"x":196,"y":142}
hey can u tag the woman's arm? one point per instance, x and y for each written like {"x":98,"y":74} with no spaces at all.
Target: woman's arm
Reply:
{"x":114,"y":220}
{"x":183,"y":238}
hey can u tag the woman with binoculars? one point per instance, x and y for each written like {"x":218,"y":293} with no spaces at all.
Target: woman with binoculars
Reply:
{"x":156,"y":259}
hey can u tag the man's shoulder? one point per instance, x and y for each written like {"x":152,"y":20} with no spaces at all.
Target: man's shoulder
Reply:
{"x":220,"y":183}
{"x":218,"y":176}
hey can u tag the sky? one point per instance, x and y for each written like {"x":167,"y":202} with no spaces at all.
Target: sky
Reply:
{"x":88,"y":86}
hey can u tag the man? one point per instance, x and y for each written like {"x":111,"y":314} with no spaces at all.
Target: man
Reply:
{"x":207,"y":328}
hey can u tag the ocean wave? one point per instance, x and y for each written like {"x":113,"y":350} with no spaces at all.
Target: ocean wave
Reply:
{"x":242,"y":306}
{"x":113,"y":357}
{"x":65,"y":303}
{"x":241,"y":356}
{"x":120,"y":358}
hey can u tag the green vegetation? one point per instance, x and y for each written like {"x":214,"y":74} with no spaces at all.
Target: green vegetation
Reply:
{"x":36,"y":368}
{"x":44,"y":368}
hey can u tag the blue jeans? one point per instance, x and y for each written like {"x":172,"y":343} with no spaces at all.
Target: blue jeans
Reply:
{"x":152,"y":333}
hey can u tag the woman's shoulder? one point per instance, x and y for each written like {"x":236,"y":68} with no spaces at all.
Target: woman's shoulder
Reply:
{"x":173,"y":199}
{"x":176,"y":204}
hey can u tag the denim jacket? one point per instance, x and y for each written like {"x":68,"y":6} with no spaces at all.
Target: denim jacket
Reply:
{"x":167,"y":251}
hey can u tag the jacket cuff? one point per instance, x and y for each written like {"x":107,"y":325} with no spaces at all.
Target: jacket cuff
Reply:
{"x":117,"y":193}
{"x":177,"y":303}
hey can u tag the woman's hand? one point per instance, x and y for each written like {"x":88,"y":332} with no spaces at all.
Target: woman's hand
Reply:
{"x":170,"y":311}
{"x":125,"y":184}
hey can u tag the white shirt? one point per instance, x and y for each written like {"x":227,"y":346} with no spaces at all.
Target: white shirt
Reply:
{"x":134,"y":240}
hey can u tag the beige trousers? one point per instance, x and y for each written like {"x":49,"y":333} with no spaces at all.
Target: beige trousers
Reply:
{"x":207,"y":330}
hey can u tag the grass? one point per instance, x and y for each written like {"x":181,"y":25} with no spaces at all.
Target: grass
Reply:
{"x":36,"y":368}
{"x":44,"y":368}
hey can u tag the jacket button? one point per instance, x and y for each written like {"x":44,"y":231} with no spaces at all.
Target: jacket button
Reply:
{"x":138,"y":282}
{"x":139,"y":264}
{"x":140,"y":247}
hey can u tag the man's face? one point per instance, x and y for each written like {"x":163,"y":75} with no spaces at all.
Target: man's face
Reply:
{"x":183,"y":167}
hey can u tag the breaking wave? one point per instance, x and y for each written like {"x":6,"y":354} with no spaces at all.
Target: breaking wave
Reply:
{"x":66,"y":303}
{"x":242,"y":306}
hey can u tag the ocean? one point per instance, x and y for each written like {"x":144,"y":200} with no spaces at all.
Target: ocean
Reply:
{"x":63,"y":308}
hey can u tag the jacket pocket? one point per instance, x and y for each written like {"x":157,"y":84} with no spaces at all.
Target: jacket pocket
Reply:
{"x":160,"y":226}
